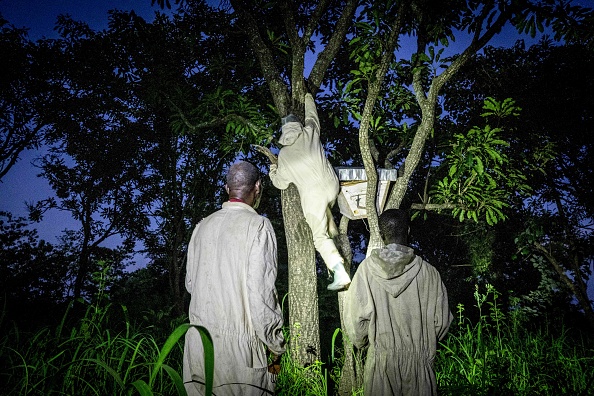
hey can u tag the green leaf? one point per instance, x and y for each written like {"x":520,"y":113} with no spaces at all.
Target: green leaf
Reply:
{"x":168,"y":346}
{"x":111,"y":371}
{"x":142,"y":388}
{"x":480,"y":169}
{"x":453,"y":170}
{"x":178,"y":382}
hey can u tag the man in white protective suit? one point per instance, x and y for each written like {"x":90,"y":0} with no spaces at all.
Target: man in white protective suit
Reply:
{"x":231,"y":274}
{"x":302,"y":161}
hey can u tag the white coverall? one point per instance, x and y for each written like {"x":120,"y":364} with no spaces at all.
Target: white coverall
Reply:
{"x":398,"y":305}
{"x":231,"y":274}
{"x":302,"y":161}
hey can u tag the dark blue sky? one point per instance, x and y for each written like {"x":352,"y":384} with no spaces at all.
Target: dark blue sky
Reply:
{"x":21,"y":184}
{"x":40,"y":15}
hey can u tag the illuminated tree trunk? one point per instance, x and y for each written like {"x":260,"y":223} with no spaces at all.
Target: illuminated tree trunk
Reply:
{"x":352,"y":369}
{"x":304,"y":318}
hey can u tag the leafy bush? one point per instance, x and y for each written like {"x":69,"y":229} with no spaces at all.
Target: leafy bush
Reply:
{"x":90,"y":358}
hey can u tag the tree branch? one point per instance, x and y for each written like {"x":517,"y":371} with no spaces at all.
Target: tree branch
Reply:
{"x":210,"y":124}
{"x":581,"y":296}
{"x":278,"y":89}
{"x":393,"y":153}
{"x":436,"y":207}
{"x":290,"y":25}
{"x":374,"y":89}
{"x":477,"y":43}
{"x":329,"y":52}
{"x":266,"y":151}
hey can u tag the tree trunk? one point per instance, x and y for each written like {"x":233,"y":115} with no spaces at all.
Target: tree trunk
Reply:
{"x":351,"y":373}
{"x":175,"y":281}
{"x":304,"y":317}
{"x":352,"y":369}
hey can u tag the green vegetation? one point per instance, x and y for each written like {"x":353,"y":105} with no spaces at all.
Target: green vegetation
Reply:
{"x":135,"y":125}
{"x":101,"y":352}
{"x":500,"y":355}
{"x":90,"y":356}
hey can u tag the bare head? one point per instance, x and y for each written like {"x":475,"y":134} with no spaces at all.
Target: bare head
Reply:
{"x":394,"y":226}
{"x":243,"y":182}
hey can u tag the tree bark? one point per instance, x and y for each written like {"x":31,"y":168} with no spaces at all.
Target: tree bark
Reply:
{"x":304,"y":319}
{"x":427,"y":101}
{"x":303,"y":301}
{"x":351,"y":373}
{"x":374,"y":90}
{"x":304,"y":322}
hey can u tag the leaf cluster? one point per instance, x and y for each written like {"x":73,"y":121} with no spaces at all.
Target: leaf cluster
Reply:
{"x":480,"y":176}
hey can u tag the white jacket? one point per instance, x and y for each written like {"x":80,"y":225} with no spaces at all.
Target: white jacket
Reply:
{"x":302,"y":160}
{"x":231,"y":274}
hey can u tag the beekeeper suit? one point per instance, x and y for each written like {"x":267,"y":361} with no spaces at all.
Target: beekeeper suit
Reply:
{"x":231,"y":274}
{"x":397,"y":305}
{"x":302,"y":161}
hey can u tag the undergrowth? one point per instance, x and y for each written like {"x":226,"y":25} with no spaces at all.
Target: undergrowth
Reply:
{"x":94,"y":354}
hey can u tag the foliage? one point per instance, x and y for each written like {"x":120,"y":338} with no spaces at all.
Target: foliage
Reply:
{"x":480,"y":176}
{"x":23,"y":95}
{"x":552,"y":230}
{"x":171,"y":102}
{"x":499,"y":355}
{"x":102,"y":352}
{"x":537,"y":299}
{"x":31,"y":270}
{"x":294,"y":379}
{"x":241,"y":118}
{"x":95,"y":355}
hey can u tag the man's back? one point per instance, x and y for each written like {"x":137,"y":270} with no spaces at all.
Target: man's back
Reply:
{"x":231,"y":272}
{"x":219,"y":259}
{"x":398,"y":305}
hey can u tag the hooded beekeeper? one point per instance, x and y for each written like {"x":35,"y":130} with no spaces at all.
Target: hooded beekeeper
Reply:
{"x":302,"y":161}
{"x":397,"y":306}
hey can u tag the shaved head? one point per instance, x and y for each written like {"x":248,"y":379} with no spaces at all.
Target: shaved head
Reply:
{"x":393,"y":225}
{"x":242,"y":177}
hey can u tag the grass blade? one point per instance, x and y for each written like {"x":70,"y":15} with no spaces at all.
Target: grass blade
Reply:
{"x":177,"y":380}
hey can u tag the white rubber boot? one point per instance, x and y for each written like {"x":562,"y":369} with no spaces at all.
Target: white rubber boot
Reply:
{"x":341,"y":278}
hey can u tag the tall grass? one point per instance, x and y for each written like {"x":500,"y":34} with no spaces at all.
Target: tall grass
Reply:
{"x":297,"y":380}
{"x":90,"y":358}
{"x":93,"y":354}
{"x":498,"y":355}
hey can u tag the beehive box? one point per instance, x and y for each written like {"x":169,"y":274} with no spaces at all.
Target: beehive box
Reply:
{"x":353,"y":189}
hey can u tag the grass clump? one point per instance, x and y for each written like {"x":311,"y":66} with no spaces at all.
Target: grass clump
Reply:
{"x":91,"y":357}
{"x":499,"y":355}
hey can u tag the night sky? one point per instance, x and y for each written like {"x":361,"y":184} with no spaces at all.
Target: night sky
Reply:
{"x":21,"y":184}
{"x":40,"y":15}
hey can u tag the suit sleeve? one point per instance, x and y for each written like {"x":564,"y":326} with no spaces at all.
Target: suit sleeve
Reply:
{"x":277,"y":178}
{"x":358,"y":310}
{"x":267,"y":318}
{"x":191,"y":259}
{"x":311,"y":114}
{"x":443,"y":315}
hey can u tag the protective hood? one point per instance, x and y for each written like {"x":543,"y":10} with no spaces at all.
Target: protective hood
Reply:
{"x":290,"y":132}
{"x":394,"y":267}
